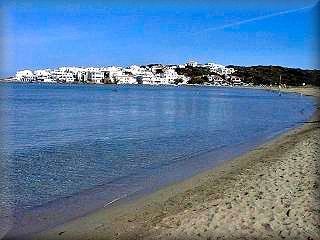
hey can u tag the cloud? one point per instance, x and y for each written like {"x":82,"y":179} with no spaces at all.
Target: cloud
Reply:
{"x":252,"y":20}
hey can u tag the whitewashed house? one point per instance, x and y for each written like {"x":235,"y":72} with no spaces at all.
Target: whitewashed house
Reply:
{"x":172,"y":67}
{"x":219,"y":69}
{"x":112,"y":73}
{"x":63,"y":69}
{"x":67,"y":77}
{"x":169,"y":76}
{"x":158,"y":80}
{"x":148,"y":78}
{"x":93,"y":69}
{"x":126,"y":79}
{"x":229,"y":71}
{"x":25,"y":76}
{"x":216,"y":68}
{"x":62,"y":75}
{"x":96,"y":76}
{"x":74,"y":70}
{"x":44,"y":75}
{"x":192,"y":63}
{"x":56,"y":74}
{"x":41,"y":72}
{"x":145,"y":79}
{"x":82,"y":76}
{"x":235,"y":80}
{"x":216,"y":80}
{"x":136,"y":70}
{"x":213,"y":65}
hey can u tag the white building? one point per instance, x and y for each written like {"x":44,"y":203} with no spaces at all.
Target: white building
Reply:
{"x":44,"y":75}
{"x":192,"y":64}
{"x":229,"y":71}
{"x":213,"y":65}
{"x":67,"y":77}
{"x":170,"y":75}
{"x":125,"y":79}
{"x":219,"y":69}
{"x":63,"y":69}
{"x":148,"y":78}
{"x":150,"y":74}
{"x":74,"y":70}
{"x":56,"y":74}
{"x":93,"y":69}
{"x":216,"y":68}
{"x":216,"y":80}
{"x":43,"y":72}
{"x":235,"y":80}
{"x":172,"y":67}
{"x":25,"y":76}
{"x":82,"y":76}
{"x":137,"y":70}
{"x":112,"y":73}
{"x":96,"y":76}
{"x":161,"y":81}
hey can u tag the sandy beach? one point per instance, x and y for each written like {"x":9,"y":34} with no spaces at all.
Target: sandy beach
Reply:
{"x":271,"y":192}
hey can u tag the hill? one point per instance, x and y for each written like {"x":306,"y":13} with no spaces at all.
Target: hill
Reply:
{"x":271,"y":75}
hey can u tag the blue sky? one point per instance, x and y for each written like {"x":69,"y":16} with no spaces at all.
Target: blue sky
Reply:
{"x":48,"y":34}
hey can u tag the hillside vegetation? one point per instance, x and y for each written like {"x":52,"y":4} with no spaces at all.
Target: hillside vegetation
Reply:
{"x":267,"y":75}
{"x":197,"y":75}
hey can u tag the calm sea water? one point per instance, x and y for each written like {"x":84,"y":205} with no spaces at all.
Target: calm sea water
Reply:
{"x":93,"y":144}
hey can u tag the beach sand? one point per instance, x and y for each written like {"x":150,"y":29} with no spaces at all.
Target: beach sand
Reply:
{"x":271,"y":192}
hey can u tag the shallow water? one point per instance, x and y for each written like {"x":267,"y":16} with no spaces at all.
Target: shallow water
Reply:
{"x":93,"y":144}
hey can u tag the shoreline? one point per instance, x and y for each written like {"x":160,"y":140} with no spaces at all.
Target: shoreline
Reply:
{"x":150,"y":210}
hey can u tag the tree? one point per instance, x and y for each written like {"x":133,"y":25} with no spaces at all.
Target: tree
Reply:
{"x":177,"y":81}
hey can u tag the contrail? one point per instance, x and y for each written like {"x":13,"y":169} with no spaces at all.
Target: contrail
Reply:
{"x":252,"y":20}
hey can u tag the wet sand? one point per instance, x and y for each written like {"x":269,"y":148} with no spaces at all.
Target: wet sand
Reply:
{"x":271,"y":192}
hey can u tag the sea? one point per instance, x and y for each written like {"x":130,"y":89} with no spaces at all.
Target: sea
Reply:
{"x":69,"y":149}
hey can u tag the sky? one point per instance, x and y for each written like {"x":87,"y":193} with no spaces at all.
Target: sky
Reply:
{"x":50,"y":34}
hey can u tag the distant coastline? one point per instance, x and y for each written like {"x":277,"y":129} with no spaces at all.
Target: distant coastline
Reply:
{"x":190,"y":73}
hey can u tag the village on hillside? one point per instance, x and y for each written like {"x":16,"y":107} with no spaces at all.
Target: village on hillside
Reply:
{"x":153,"y":74}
